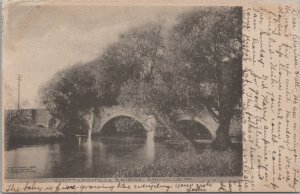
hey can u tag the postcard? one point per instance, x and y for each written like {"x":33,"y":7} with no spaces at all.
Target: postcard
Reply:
{"x":150,"y":96}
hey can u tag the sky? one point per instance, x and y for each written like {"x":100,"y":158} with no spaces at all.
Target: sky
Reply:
{"x":40,"y":40}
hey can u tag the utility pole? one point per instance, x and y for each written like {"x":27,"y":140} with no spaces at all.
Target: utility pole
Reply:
{"x":19,"y":78}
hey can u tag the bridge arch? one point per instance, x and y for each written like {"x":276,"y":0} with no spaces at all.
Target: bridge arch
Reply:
{"x":207,"y":122}
{"x":107,"y":114}
{"x":43,"y":125}
{"x":194,"y":129}
{"x":139,"y":121}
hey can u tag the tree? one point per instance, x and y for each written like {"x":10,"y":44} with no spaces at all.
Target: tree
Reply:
{"x":16,"y":118}
{"x":133,"y":67}
{"x":70,"y":95}
{"x":134,"y":56}
{"x":149,"y":88}
{"x":204,"y":50}
{"x":197,"y":65}
{"x":74,"y":91}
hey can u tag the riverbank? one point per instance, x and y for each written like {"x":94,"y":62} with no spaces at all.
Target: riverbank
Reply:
{"x":209,"y":163}
{"x":31,"y":135}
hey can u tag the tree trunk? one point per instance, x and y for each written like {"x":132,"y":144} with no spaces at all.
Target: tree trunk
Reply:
{"x":227,"y":101}
{"x":222,"y":141}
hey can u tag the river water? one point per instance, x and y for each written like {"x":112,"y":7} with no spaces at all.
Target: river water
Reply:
{"x":80,"y":157}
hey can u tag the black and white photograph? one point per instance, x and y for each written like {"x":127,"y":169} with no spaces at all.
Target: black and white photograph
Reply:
{"x":122,"y":91}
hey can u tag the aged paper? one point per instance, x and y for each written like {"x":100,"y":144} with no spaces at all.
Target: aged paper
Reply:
{"x":44,"y":40}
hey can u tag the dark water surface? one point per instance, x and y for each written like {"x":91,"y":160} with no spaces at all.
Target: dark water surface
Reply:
{"x":80,"y":157}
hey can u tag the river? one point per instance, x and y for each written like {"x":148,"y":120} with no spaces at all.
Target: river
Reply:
{"x":80,"y":157}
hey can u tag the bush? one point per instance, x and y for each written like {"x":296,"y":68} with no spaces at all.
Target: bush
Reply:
{"x":74,"y":125}
{"x":16,"y":118}
{"x":17,"y":135}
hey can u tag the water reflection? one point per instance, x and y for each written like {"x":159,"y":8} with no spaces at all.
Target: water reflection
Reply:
{"x":35,"y":159}
{"x":82,"y":156}
{"x":150,"y":146}
{"x":150,"y":150}
{"x":89,"y":151}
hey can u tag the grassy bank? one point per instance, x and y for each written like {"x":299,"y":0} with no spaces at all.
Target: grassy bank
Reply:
{"x":31,"y":135}
{"x":188,"y":164}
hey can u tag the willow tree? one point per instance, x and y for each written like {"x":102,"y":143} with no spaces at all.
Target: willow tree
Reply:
{"x":73,"y":92}
{"x":134,"y":56}
{"x":205,"y":50}
{"x":69,"y":95}
{"x":133,"y":63}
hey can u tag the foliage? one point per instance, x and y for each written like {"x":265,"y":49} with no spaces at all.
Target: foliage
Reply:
{"x":16,"y":118}
{"x":33,"y":132}
{"x":70,"y":95}
{"x":131,"y":59}
{"x":201,"y":66}
{"x":205,"y":48}
{"x":153,"y":98}
{"x":195,"y":64}
{"x":30,"y":134}
{"x":71,"y":90}
{"x":206,"y":164}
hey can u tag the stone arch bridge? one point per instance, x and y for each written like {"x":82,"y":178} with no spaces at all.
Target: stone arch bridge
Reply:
{"x":96,"y":121}
{"x":105,"y":114}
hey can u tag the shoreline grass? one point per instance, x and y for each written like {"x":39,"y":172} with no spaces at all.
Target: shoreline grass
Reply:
{"x":31,"y":135}
{"x":209,"y":163}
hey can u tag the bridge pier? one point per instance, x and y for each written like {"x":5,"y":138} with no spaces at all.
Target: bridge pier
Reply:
{"x":150,"y":126}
